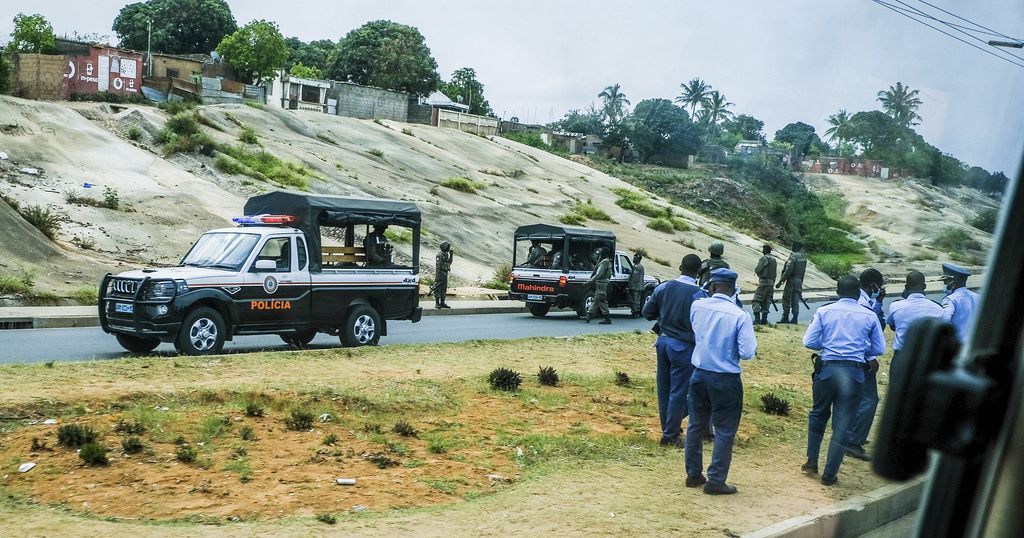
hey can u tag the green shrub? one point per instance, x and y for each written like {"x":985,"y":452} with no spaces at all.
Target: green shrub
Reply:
{"x":986,"y":220}
{"x":376,"y":152}
{"x":462,"y":184}
{"x":547,"y":376}
{"x":129,"y":428}
{"x":45,"y":218}
{"x":399,"y":235}
{"x":514,"y":173}
{"x":661,"y":224}
{"x":500,"y":277}
{"x":111,"y":198}
{"x":93,"y":454}
{"x":228,"y":165}
{"x":637,"y":202}
{"x":407,"y":131}
{"x":86,"y":295}
{"x":132,"y":445}
{"x":74,"y":436}
{"x":438,"y":445}
{"x":134,"y":133}
{"x":835,"y":265}
{"x":20,"y":284}
{"x":264,"y":165}
{"x":774,"y":405}
{"x":330,"y":439}
{"x":246,"y":433}
{"x":404,"y":429}
{"x":622,"y":379}
{"x":299,"y":420}
{"x":504,"y":379}
{"x":589,"y":210}
{"x":254,"y":409}
{"x":326,"y":518}
{"x":572,"y":219}
{"x":163,"y":136}
{"x":183,"y":124}
{"x":955,"y":240}
{"x":185,"y":454}
{"x":176,"y":107}
{"x":248,"y":135}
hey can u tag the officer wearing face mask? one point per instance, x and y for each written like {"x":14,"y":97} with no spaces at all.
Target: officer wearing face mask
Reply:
{"x":960,"y":303}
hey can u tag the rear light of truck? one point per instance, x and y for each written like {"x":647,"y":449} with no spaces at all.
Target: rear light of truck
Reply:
{"x":562,"y":281}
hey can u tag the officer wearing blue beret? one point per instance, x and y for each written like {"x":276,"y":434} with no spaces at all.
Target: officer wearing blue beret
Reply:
{"x":724,"y":335}
{"x":960,"y":303}
{"x":845,"y":334}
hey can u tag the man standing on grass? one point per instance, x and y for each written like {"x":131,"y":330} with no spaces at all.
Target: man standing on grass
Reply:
{"x":766,"y":270}
{"x":914,"y":307}
{"x":793,"y":278}
{"x":846,"y":334}
{"x":636,"y":285}
{"x":872,"y":293}
{"x":670,"y":306}
{"x":724,"y":335}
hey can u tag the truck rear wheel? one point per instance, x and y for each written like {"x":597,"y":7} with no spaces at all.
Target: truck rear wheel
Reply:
{"x":362,"y":327}
{"x":538,"y":309}
{"x":299,"y":339}
{"x":583,"y":306}
{"x":202,"y":333}
{"x":137,"y":344}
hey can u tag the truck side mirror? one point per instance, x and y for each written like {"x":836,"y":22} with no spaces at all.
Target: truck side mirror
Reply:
{"x":262,"y":266}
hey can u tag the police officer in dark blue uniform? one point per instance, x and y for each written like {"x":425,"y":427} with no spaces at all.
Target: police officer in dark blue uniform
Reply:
{"x":846,"y":334}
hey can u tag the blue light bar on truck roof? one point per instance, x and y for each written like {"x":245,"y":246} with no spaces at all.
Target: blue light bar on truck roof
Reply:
{"x":264,"y":219}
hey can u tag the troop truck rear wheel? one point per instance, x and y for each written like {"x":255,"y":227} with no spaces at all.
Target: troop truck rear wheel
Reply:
{"x":538,"y":309}
{"x":299,"y":339}
{"x":137,"y":344}
{"x":202,"y":333}
{"x":583,"y":306}
{"x":362,"y":327}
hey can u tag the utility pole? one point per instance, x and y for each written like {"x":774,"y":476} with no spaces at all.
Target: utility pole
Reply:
{"x":149,"y":47}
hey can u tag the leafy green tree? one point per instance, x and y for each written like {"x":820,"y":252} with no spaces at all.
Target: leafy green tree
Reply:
{"x":316,"y":53}
{"x":694,"y":93}
{"x":901,"y":103}
{"x":387,"y":55}
{"x":179,"y":26}
{"x":881,"y":137}
{"x":32,"y":33}
{"x":839,"y":129}
{"x":746,"y":126}
{"x":465,"y":88}
{"x":614,"y":102}
{"x":5,"y":74}
{"x":589,"y":122}
{"x":799,"y":134}
{"x":305,"y":71}
{"x":717,"y":107}
{"x":660,"y":128}
{"x":256,"y":49}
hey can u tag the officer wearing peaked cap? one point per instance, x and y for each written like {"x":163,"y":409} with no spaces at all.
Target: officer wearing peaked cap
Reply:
{"x":960,"y":303}
{"x":724,"y":335}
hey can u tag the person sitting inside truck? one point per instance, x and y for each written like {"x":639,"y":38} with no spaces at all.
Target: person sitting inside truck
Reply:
{"x":535,"y":257}
{"x":378,"y":250}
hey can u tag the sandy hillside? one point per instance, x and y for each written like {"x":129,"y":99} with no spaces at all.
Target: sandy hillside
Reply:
{"x":900,"y":220}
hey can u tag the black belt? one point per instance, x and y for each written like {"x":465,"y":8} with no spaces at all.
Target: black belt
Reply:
{"x":858,"y":364}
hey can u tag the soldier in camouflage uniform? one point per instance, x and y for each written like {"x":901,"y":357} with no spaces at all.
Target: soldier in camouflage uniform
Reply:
{"x":636,"y":286}
{"x":766,"y":270}
{"x":443,"y":264}
{"x":793,"y":278}
{"x":716,"y":250}
{"x":599,"y":280}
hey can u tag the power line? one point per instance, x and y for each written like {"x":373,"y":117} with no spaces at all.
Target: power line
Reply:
{"x":956,"y":27}
{"x":903,"y":12}
{"x":997,"y":34}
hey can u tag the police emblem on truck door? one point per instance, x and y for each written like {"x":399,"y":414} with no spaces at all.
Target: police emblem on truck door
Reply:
{"x":270,"y":285}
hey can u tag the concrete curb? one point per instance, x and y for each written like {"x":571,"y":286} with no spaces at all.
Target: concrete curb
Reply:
{"x":852,"y":517}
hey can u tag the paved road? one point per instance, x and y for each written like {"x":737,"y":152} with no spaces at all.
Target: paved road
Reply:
{"x":40,"y":345}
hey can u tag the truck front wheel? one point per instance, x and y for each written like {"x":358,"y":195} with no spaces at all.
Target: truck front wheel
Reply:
{"x":136,"y":344}
{"x":362,"y":328}
{"x":202,"y":333}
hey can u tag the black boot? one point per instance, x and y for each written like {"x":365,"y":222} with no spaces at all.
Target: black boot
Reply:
{"x":587,"y":317}
{"x":785,"y":319}
{"x":764,"y":318}
{"x":794,"y":319}
{"x":606,"y":321}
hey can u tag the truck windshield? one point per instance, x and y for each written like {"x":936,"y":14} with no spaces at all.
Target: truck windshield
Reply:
{"x":221,"y":250}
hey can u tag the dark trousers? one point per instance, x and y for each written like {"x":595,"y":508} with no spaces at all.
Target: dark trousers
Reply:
{"x":837,"y":392}
{"x":716,"y":398}
{"x":442,"y":288}
{"x":673,"y":378}
{"x":791,"y":294}
{"x":866,"y":408}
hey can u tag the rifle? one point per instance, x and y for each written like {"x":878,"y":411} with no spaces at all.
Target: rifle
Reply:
{"x":775,"y":305}
{"x":804,"y":302}
{"x":432,"y":289}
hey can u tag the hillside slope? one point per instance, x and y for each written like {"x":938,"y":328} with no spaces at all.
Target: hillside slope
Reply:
{"x":171,"y":200}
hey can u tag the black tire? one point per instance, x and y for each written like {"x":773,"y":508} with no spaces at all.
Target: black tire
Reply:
{"x":362,"y":327}
{"x":538,"y":310}
{"x":137,"y":344}
{"x":299,"y":339}
{"x":202,"y":333}
{"x":583,"y":306}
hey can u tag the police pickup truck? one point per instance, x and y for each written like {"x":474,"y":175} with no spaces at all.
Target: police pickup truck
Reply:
{"x":551,"y":265}
{"x":270,"y":275}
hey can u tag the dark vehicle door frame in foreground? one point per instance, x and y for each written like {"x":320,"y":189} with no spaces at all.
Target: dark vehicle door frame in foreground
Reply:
{"x":966,"y":406}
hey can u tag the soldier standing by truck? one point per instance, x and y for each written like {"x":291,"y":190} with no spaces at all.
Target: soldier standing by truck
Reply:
{"x":766,"y":270}
{"x":793,"y":278}
{"x":716,"y":250}
{"x":442,"y":264}
{"x":599,"y":280}
{"x":637,"y":285}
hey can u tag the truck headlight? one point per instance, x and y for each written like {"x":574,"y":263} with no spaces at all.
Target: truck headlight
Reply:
{"x":181,"y":285}
{"x":163,"y":290}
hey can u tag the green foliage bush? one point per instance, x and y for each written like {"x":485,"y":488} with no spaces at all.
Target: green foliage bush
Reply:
{"x":661,"y":224}
{"x":229,"y":165}
{"x":45,"y":218}
{"x":247,"y":433}
{"x":132,"y":445}
{"x":637,"y":202}
{"x":376,"y":152}
{"x":955,"y":240}
{"x":185,"y":454}
{"x":622,"y":379}
{"x":504,"y":379}
{"x":462,"y":184}
{"x":986,"y":220}
{"x":86,"y":296}
{"x":93,"y":454}
{"x":134,"y":133}
{"x":299,"y":420}
{"x":404,"y":429}
{"x":547,"y":376}
{"x":19,"y":284}
{"x":835,"y":265}
{"x":326,"y":518}
{"x":177,"y":107}
{"x":572,"y":219}
{"x":500,"y":277}
{"x":129,"y":427}
{"x":589,"y":210}
{"x":399,"y":235}
{"x":774,"y":405}
{"x":264,"y":165}
{"x":248,"y":135}
{"x":254,"y":409}
{"x":183,"y":124}
{"x":74,"y":436}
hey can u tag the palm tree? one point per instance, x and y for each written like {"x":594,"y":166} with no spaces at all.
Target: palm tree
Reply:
{"x":900,"y":102}
{"x":694,"y":93}
{"x":615,"y":102}
{"x":840,"y":129}
{"x":717,"y":107}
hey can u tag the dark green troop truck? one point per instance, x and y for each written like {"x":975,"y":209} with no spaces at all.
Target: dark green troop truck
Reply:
{"x":551,"y":265}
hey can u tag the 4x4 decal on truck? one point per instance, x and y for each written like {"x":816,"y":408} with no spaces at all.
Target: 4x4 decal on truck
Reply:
{"x":270,"y":285}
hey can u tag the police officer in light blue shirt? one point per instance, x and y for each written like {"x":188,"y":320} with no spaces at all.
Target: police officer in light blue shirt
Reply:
{"x":872,"y":293}
{"x":914,"y":307}
{"x":960,"y":303}
{"x":846,"y":334}
{"x":724,"y":336}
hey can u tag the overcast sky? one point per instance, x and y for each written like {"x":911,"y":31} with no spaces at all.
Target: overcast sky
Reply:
{"x":780,"y":60}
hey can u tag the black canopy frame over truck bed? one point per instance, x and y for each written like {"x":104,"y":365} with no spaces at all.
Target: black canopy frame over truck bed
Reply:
{"x":566,"y":234}
{"x":312,"y":211}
